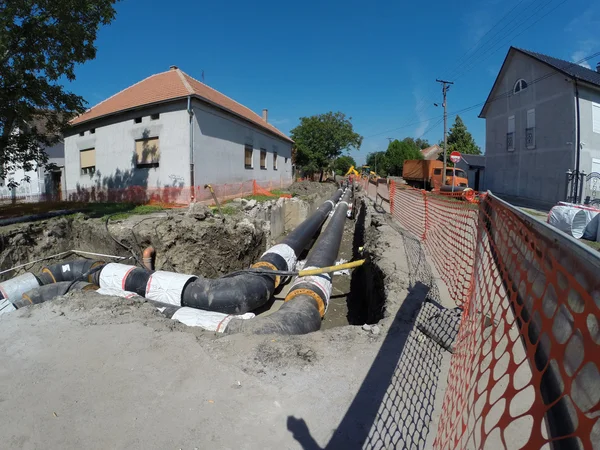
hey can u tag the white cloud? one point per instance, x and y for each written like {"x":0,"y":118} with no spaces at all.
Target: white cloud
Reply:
{"x":420,"y":113}
{"x":581,"y":28}
{"x":578,"y":56}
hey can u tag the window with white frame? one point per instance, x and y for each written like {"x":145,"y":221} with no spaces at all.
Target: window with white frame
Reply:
{"x":596,"y":117}
{"x":510,"y":135}
{"x":274,"y":160}
{"x":520,"y":85}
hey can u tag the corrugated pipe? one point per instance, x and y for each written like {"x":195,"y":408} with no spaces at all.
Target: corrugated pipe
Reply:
{"x":306,"y":303}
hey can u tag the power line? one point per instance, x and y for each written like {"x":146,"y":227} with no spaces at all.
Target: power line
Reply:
{"x":497,"y":97}
{"x":490,"y":44}
{"x":498,"y":36}
{"x":495,"y":48}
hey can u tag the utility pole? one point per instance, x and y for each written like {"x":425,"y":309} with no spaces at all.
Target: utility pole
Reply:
{"x":445,"y":89}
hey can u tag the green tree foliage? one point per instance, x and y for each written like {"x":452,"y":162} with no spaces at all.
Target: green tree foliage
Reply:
{"x":418,"y":143}
{"x":40,"y":43}
{"x":343,"y":163}
{"x":378,"y":163}
{"x":322,"y":138}
{"x":398,"y":152}
{"x":460,"y":140}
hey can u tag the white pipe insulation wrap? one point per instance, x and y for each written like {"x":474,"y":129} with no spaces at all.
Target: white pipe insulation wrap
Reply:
{"x":572,"y":220}
{"x":286,"y":252}
{"x":167,"y":287}
{"x":322,"y":282}
{"x":208,"y":320}
{"x":113,"y":275}
{"x":117,"y":293}
{"x":13,"y":289}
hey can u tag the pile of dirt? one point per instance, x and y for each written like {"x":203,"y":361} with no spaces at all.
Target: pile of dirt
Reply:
{"x":304,"y":188}
{"x":185,"y":243}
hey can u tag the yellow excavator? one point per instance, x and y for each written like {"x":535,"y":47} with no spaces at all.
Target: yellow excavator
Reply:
{"x":352,"y":171}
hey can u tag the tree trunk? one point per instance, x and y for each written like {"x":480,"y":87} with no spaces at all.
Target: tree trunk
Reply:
{"x":321,"y":176}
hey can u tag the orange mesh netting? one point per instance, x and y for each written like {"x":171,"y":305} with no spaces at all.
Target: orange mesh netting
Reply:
{"x":525,"y":372}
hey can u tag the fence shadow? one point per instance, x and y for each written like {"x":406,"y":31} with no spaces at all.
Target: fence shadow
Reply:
{"x":394,"y":405}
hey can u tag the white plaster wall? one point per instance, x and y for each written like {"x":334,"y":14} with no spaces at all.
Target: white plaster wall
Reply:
{"x":114,"y":141}
{"x":219,"y":142}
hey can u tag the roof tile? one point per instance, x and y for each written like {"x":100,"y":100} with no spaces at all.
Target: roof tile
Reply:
{"x":166,"y":86}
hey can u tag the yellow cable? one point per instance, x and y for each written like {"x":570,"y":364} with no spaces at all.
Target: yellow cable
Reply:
{"x":348,"y":265}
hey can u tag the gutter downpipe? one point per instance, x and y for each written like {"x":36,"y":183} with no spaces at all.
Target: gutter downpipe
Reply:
{"x":578,"y":150}
{"x":192,"y":181}
{"x":306,"y":303}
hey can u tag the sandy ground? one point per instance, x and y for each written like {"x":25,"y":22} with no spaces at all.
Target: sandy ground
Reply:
{"x":87,"y":371}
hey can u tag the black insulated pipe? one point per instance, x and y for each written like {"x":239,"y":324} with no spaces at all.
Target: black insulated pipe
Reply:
{"x":50,"y":291}
{"x":68,"y":271}
{"x":245,"y":292}
{"x":307,"y":300}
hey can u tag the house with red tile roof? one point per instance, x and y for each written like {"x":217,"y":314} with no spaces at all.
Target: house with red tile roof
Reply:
{"x":173,"y":130}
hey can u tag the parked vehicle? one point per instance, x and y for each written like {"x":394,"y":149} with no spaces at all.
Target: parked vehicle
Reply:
{"x":427,"y":174}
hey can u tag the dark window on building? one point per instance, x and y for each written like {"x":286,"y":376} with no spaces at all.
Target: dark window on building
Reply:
{"x":263,"y":159}
{"x":155,"y":116}
{"x":93,"y":131}
{"x":81,"y":133}
{"x":248,"y":153}
{"x":137,"y":120}
{"x":437,"y":171}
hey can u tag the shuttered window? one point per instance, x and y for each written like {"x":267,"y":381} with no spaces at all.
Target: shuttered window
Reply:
{"x":263,"y":158}
{"x":530,"y":130}
{"x":596,"y":117}
{"x":87,"y":159}
{"x":148,"y":152}
{"x":248,"y":152}
{"x":275,"y":161}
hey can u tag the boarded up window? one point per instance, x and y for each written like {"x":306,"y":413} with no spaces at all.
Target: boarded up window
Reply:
{"x":87,"y":159}
{"x":263,"y":158}
{"x":275,"y":161}
{"x":147,"y":151}
{"x":248,"y":151}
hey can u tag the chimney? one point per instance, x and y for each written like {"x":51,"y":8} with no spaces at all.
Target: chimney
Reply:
{"x":266,"y":115}
{"x":173,"y":67}
{"x":598,"y":67}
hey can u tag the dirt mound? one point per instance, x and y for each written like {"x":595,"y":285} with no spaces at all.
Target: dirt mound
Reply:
{"x":185,"y":244}
{"x":303,"y":188}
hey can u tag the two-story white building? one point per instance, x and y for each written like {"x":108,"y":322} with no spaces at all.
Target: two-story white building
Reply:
{"x":542,"y":119}
{"x":170,"y":130}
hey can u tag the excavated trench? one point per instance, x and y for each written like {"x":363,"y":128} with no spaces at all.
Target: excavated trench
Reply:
{"x":193,"y":242}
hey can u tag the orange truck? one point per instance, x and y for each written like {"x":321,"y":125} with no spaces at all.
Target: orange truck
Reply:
{"x":427,"y":174}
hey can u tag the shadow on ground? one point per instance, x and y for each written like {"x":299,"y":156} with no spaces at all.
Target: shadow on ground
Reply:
{"x":393,"y":407}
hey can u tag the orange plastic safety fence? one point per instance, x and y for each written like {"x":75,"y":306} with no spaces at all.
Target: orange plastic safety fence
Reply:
{"x":169,"y":196}
{"x":526,"y":371}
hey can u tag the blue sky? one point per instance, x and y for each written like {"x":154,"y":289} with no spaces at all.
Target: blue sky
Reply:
{"x":375,"y":61}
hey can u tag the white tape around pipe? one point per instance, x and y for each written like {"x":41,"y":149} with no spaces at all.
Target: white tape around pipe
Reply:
{"x":286,"y":252}
{"x":113,"y":276}
{"x":14,"y":288}
{"x":167,"y":287}
{"x":209,"y":320}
